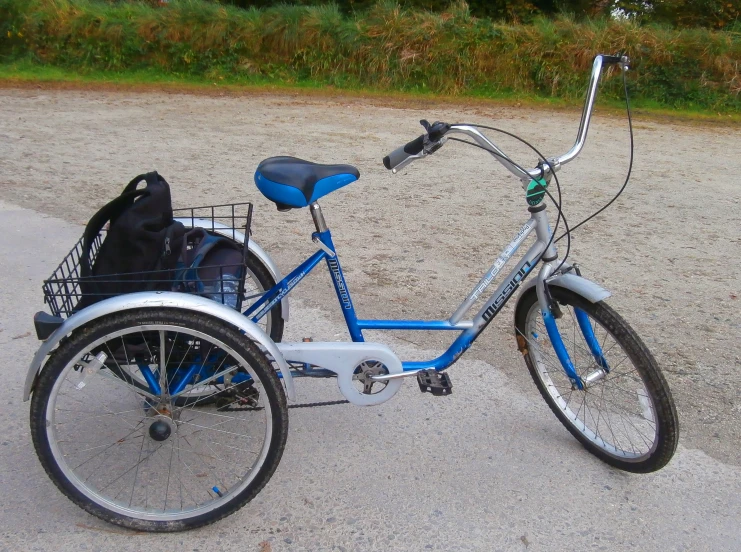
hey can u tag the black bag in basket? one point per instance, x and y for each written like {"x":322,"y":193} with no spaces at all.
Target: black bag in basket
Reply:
{"x":142,"y":245}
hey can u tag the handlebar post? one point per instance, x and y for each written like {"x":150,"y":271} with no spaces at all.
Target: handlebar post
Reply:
{"x":429,"y":143}
{"x":586,"y":116}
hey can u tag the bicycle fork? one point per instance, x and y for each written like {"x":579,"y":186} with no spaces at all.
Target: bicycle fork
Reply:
{"x":551,"y":312}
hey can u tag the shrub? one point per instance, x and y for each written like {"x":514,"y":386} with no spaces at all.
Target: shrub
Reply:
{"x":386,"y":47}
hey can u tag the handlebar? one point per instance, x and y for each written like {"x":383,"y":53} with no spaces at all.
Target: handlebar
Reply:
{"x":399,"y":155}
{"x":424,"y":145}
{"x":436,"y":134}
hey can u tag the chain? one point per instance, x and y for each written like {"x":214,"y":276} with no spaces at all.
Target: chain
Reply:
{"x":312,"y":405}
{"x":303,"y":405}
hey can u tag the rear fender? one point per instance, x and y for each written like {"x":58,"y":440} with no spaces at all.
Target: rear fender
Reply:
{"x":154,"y":300}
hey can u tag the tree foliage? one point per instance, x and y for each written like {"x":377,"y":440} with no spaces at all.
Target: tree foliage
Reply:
{"x":384,"y":48}
{"x":511,"y":10}
{"x":717,"y":14}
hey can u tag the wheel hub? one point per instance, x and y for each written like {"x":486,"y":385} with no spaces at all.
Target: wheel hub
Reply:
{"x":160,"y":430}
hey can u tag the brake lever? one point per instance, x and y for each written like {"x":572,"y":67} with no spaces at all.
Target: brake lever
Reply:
{"x":429,"y":146}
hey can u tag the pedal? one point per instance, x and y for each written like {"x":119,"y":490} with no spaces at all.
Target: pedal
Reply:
{"x":437,"y":383}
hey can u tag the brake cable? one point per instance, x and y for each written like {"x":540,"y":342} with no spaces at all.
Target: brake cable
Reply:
{"x":558,"y":203}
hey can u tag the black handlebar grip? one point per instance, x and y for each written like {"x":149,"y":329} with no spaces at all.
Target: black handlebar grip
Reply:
{"x":611,"y":60}
{"x":400,"y":154}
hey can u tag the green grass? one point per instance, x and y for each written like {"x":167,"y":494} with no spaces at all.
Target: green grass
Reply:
{"x":27,"y":71}
{"x":386,"y":49}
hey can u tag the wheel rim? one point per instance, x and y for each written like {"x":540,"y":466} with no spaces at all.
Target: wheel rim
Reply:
{"x":615,"y":413}
{"x":157,"y":462}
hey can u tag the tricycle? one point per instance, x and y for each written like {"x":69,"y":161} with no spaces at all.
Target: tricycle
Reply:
{"x":165,"y":411}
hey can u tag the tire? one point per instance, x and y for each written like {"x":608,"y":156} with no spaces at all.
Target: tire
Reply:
{"x":143,"y":462}
{"x":260,"y":280}
{"x":627,"y":418}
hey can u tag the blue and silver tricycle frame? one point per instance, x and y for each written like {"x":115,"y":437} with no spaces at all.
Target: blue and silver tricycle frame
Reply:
{"x":469,"y":329}
{"x":338,"y":357}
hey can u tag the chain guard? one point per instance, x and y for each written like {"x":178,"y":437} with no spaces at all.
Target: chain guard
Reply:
{"x":343,"y":359}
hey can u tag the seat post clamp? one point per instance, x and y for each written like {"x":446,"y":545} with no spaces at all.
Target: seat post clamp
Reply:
{"x":318,"y":242}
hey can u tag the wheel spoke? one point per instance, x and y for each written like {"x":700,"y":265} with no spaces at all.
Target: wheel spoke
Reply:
{"x":133,"y":483}
{"x":627,"y":417}
{"x":615,"y":440}
{"x":164,"y":384}
{"x":138,"y":456}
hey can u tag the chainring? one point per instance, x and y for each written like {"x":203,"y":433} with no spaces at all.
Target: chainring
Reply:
{"x":363,"y":373}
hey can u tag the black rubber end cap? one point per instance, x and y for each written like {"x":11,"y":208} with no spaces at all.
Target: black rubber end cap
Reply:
{"x":387,"y":162}
{"x":46,"y":324}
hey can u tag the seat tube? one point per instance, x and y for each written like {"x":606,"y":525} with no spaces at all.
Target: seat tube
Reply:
{"x":338,"y":278}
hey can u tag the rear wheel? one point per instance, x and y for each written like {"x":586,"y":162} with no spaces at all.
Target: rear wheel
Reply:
{"x":258,"y":281}
{"x":625,"y":414}
{"x":139,"y":459}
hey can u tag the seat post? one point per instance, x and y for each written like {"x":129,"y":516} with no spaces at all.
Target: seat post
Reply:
{"x":316,"y":214}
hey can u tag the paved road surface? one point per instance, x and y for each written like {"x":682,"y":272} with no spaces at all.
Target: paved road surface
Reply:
{"x":488,"y":468}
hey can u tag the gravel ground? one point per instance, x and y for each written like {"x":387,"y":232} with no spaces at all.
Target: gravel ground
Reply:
{"x":413,"y":244}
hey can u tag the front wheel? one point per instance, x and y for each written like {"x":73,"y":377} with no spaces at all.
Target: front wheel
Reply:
{"x":138,"y":457}
{"x":624,"y":414}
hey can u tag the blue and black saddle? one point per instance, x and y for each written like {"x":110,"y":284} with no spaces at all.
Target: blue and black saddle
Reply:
{"x":293,"y":183}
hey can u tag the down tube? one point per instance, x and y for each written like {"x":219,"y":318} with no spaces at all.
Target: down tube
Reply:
{"x":340,"y":287}
{"x":282,"y":288}
{"x":492,"y":307}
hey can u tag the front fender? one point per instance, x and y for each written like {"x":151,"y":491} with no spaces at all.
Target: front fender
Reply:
{"x":153,"y":300}
{"x":579,"y":285}
{"x":252,"y":246}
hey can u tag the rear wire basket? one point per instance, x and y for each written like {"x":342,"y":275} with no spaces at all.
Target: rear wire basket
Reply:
{"x":62,"y":290}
